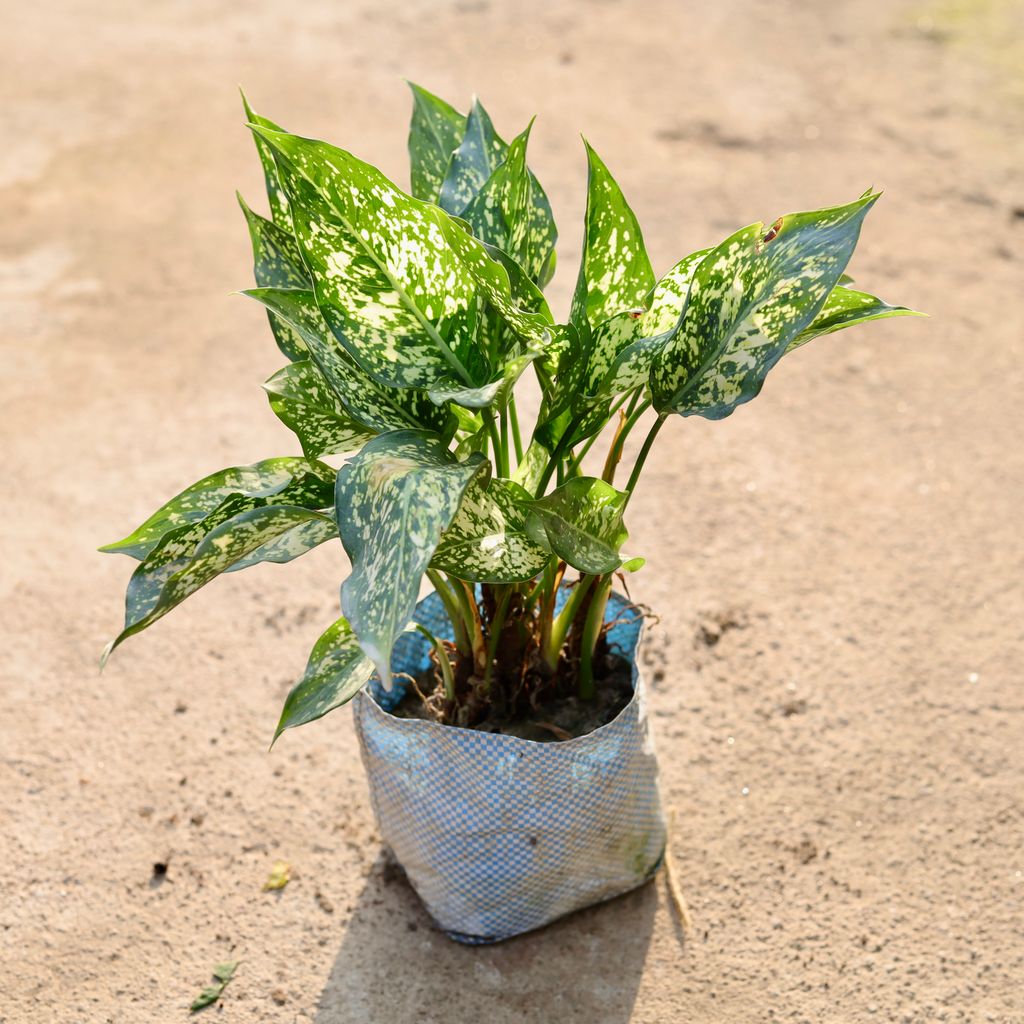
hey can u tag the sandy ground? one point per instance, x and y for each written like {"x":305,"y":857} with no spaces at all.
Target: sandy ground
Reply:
{"x":836,"y":673}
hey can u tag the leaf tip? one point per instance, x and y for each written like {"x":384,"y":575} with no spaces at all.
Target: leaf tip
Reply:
{"x":107,"y":651}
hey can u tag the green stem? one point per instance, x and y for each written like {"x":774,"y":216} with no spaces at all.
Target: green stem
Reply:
{"x":591,"y":633}
{"x":472,"y":613}
{"x":506,"y":469}
{"x":531,"y":598}
{"x":495,"y":626}
{"x":492,"y":433}
{"x":453,"y":607}
{"x":556,"y":456}
{"x":561,"y":625}
{"x":642,"y":457}
{"x":615,"y":452}
{"x":517,"y":438}
{"x":579,"y":456}
{"x":547,"y":590}
{"x":443,"y":661}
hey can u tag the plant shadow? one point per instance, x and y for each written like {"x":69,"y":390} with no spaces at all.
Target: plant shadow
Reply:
{"x":394,"y":964}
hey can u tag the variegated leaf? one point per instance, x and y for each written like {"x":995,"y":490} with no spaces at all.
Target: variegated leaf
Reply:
{"x":497,"y":212}
{"x":188,"y":558}
{"x":625,"y":345}
{"x":581,"y":522}
{"x":304,"y":402}
{"x":492,"y":277}
{"x":275,"y":193}
{"x":393,"y":501}
{"x":336,"y":671}
{"x":392,"y":292}
{"x":568,"y":402}
{"x":435,"y":132}
{"x":531,"y":467}
{"x":496,"y":392}
{"x":277,"y":263}
{"x":475,"y":170}
{"x":615,"y":273}
{"x":487,"y":540}
{"x":845,"y":308}
{"x":289,"y":480}
{"x":292,"y":544}
{"x":380,"y":407}
{"x":478,"y":154}
{"x":511,"y":212}
{"x":748,"y":299}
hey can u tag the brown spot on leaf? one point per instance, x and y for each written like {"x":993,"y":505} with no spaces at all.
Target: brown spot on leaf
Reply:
{"x":772,"y":232}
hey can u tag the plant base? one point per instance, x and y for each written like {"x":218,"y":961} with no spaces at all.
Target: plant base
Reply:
{"x":500,"y":835}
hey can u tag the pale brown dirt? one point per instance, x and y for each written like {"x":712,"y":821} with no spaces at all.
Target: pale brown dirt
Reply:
{"x":836,"y":674}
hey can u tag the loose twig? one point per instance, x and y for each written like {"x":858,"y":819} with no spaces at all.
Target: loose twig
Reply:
{"x":672,"y":881}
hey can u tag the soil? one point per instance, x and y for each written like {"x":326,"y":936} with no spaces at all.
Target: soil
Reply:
{"x":835,"y":682}
{"x":559,"y":717}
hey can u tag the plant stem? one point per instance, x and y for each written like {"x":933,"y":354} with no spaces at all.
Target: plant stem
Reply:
{"x":615,"y":451}
{"x":579,"y":456}
{"x":472,"y":613}
{"x":553,"y":648}
{"x":517,"y":439}
{"x":495,"y":626}
{"x":642,"y":457}
{"x":442,"y":660}
{"x":506,"y":467}
{"x":453,"y":608}
{"x":492,"y":433}
{"x":548,"y":589}
{"x":591,"y":633}
{"x":557,"y":455}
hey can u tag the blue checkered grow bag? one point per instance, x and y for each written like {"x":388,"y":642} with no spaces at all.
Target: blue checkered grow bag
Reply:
{"x":498,"y":834}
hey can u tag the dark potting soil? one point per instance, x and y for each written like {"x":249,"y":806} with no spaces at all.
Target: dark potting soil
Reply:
{"x":555,"y":718}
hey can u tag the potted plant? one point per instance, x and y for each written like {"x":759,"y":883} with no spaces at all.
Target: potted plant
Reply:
{"x":501,"y":719}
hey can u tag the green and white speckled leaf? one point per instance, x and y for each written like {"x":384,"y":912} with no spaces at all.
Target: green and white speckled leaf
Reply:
{"x":531,"y":467}
{"x":435,"y":131}
{"x":393,"y":501}
{"x":279,"y":210}
{"x":336,"y":671}
{"x":496,"y":391}
{"x":474,"y":160}
{"x":748,"y":299}
{"x":292,"y":481}
{"x":277,"y":263}
{"x":615,"y":273}
{"x":475,"y":170}
{"x":487,"y":540}
{"x":533,"y":326}
{"x":624,"y":346}
{"x":511,"y":213}
{"x":393,"y":293}
{"x":305,"y":403}
{"x":581,"y":522}
{"x":846,"y":308}
{"x":567,"y":401}
{"x":497,"y":212}
{"x":380,"y":407}
{"x":294,"y":542}
{"x":187,"y":558}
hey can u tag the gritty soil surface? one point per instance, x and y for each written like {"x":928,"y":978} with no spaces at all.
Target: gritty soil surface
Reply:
{"x":835,"y":682}
{"x":558,"y":717}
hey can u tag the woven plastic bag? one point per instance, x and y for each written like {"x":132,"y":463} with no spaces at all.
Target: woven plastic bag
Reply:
{"x":500,"y":835}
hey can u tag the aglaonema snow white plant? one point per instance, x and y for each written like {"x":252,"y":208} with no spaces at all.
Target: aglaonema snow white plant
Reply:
{"x":408,"y":319}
